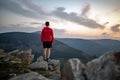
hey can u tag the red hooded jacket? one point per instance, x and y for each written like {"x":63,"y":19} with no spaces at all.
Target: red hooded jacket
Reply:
{"x":47,"y":34}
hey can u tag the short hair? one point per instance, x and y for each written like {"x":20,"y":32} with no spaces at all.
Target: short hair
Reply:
{"x":47,"y":23}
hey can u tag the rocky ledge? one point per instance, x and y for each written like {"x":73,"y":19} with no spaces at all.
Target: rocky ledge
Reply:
{"x":106,"y":67}
{"x":19,"y":65}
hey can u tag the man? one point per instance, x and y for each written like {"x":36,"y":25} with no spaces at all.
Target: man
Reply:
{"x":47,"y":37}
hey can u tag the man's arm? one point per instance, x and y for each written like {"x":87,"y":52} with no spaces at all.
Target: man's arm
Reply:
{"x":52,"y":34}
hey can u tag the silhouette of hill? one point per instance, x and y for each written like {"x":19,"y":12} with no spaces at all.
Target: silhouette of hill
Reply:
{"x":109,"y":43}
{"x":37,"y":32}
{"x":92,"y":47}
{"x":23,"y":41}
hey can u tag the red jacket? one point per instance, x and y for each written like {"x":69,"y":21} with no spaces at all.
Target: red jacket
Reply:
{"x":47,"y":34}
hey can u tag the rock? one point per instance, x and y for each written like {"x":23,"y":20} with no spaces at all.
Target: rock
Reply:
{"x":54,"y":65}
{"x":2,"y":54}
{"x":55,"y":77}
{"x":40,"y":59}
{"x":30,"y":76}
{"x":42,"y":66}
{"x":27,"y":56}
{"x":73,"y":70}
{"x":54,"y":68}
{"x":106,"y":67}
{"x":12,"y":75}
{"x":14,"y":53}
{"x":1,"y":51}
{"x":39,"y":64}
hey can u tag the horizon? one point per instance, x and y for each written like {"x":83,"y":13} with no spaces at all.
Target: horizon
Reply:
{"x":65,"y":37}
{"x":83,"y":20}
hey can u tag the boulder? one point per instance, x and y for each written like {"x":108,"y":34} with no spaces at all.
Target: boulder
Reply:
{"x":27,"y":56}
{"x":106,"y":67}
{"x":73,"y":70}
{"x":54,"y":65}
{"x":30,"y":76}
{"x":40,"y":64}
{"x":14,"y":52}
{"x":40,"y":59}
{"x":54,"y":68}
{"x":49,"y":69}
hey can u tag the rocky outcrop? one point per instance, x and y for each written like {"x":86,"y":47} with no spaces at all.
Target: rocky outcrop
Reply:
{"x":49,"y":69}
{"x":30,"y":76}
{"x":17,"y":56}
{"x":73,"y":70}
{"x":54,"y":65}
{"x":16,"y":64}
{"x":12,"y":63}
{"x":106,"y":67}
{"x":40,"y":64}
{"x":25,"y":56}
{"x":54,"y":68}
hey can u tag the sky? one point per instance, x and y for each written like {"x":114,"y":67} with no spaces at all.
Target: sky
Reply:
{"x":87,"y":19}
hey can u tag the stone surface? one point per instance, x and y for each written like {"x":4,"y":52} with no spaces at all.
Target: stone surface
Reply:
{"x":1,"y":51}
{"x":39,"y":65}
{"x":49,"y":69}
{"x":30,"y":76}
{"x":54,"y":68}
{"x":106,"y":67}
{"x":25,"y":56}
{"x":73,"y":70}
{"x":54,"y":65}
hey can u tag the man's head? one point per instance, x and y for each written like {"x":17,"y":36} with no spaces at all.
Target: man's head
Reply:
{"x":47,"y":23}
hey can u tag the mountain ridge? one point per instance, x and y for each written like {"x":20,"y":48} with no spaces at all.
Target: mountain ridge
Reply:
{"x":23,"y":41}
{"x":92,"y":47}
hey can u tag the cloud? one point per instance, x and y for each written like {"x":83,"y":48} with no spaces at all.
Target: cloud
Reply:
{"x":17,"y":28}
{"x":34,"y":23}
{"x":105,"y":34}
{"x":60,"y":33}
{"x":85,"y":10}
{"x":31,"y":5}
{"x":29,"y":9}
{"x":117,"y":9}
{"x":17,"y":8}
{"x":25,"y":28}
{"x":106,"y":23}
{"x":59,"y":12}
{"x":116,"y":28}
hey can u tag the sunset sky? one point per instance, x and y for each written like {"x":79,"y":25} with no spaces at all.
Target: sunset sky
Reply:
{"x":87,"y":19}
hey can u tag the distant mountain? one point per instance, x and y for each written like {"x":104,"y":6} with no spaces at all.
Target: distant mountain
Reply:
{"x":37,"y":32}
{"x":92,"y":47}
{"x":109,"y":43}
{"x":23,"y":41}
